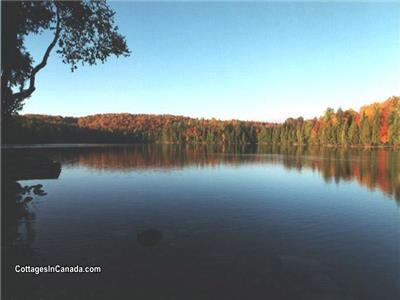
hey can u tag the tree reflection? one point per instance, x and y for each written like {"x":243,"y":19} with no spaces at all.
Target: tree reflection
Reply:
{"x":376,"y":168}
{"x":18,"y":216}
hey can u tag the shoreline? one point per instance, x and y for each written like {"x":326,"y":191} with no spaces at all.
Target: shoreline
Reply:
{"x":87,"y":145}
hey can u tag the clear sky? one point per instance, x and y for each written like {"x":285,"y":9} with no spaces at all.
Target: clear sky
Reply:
{"x":249,"y":61}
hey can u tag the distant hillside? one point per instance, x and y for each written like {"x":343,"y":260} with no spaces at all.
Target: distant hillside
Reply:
{"x":375,"y":124}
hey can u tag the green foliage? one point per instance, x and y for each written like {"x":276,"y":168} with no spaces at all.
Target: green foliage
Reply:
{"x":365,"y":134}
{"x":394,"y":125}
{"x":340,"y":128}
{"x":353,"y":134}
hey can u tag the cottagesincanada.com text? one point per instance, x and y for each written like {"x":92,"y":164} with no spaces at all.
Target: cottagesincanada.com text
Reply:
{"x":56,"y":269}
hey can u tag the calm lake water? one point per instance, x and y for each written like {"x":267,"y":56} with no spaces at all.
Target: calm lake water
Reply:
{"x":191,"y":222}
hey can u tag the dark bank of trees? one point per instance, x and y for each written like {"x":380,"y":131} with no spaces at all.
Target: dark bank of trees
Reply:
{"x":374,"y":125}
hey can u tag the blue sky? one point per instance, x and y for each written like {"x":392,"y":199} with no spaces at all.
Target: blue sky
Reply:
{"x":248,"y":61}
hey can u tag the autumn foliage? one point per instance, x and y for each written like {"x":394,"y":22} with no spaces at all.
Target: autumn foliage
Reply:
{"x":375,"y":124}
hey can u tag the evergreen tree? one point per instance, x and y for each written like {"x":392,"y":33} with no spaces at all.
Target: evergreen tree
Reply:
{"x":375,"y":126}
{"x":354,"y":133}
{"x":365,"y":134}
{"x":394,"y":126}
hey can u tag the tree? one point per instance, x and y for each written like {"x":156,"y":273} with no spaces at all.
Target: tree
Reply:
{"x":84,"y":32}
{"x":353,"y":134}
{"x":394,"y":123}
{"x":365,"y":131}
{"x":376,"y":124}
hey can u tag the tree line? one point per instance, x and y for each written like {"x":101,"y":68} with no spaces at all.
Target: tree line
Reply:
{"x":373,"y":125}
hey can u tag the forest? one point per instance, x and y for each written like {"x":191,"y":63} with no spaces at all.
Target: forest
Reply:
{"x":377,"y":124}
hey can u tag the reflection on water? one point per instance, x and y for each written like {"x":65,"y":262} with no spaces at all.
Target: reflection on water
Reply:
{"x":18,"y":217}
{"x":377,"y":168}
{"x":206,"y":222}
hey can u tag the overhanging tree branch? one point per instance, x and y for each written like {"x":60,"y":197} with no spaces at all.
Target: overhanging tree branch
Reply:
{"x":27,"y":92}
{"x":84,"y":31}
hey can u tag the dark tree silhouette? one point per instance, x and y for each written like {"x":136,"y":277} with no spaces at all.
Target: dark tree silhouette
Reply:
{"x":84,"y":32}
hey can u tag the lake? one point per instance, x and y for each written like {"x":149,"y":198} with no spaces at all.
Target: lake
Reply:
{"x":208,"y":222}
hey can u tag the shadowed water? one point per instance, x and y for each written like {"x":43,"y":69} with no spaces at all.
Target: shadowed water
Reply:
{"x":204,"y":222}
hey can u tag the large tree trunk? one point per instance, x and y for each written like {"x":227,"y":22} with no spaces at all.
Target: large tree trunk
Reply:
{"x":13,"y":56}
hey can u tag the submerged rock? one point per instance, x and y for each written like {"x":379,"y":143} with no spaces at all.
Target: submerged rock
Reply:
{"x":149,"y":238}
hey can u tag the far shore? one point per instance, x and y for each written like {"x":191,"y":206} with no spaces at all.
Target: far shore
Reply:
{"x":84,"y":145}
